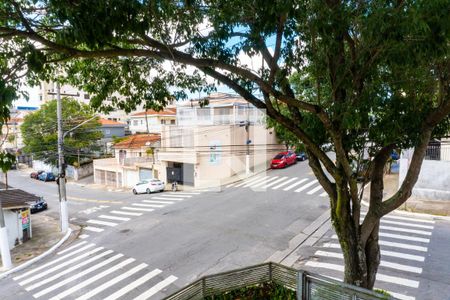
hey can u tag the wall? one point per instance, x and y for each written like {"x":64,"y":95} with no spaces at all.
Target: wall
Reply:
{"x":131,"y":177}
{"x":40,"y":165}
{"x":113,"y":131}
{"x":81,"y":172}
{"x":13,"y":224}
{"x":433,"y":182}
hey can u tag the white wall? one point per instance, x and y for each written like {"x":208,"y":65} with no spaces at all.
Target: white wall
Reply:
{"x":13,"y":223}
{"x":131,"y":178}
{"x":40,"y":165}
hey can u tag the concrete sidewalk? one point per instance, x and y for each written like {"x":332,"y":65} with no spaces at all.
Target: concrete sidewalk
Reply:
{"x":45,"y":234}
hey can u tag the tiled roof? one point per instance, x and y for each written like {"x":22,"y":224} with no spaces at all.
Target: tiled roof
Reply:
{"x":15,"y":198}
{"x":151,"y":112}
{"x":111,"y":122}
{"x":138,"y":141}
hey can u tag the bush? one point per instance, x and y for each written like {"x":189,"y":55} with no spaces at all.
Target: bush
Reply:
{"x":263,"y":291}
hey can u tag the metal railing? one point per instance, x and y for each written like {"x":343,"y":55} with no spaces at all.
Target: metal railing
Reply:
{"x":438,"y":150}
{"x":307,"y":286}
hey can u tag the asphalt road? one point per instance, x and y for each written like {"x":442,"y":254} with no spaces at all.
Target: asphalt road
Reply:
{"x":183,"y":235}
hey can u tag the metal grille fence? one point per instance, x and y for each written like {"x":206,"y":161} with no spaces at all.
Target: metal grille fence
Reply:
{"x":308,"y":286}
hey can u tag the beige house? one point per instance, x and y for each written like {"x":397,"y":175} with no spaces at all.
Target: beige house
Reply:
{"x":152,"y":121}
{"x":212,"y":144}
{"x":133,"y":162}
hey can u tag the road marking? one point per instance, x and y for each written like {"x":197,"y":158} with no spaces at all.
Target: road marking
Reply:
{"x":72,"y":247}
{"x":264,"y":182}
{"x":56,"y":268}
{"x":295,"y":184}
{"x":54,"y":261}
{"x":83,"y":236}
{"x":67,"y":271}
{"x":402,"y":237}
{"x":284,"y":183}
{"x":156,"y":288}
{"x":403,"y":218}
{"x":148,"y":205}
{"x":92,"y":279}
{"x":401,"y":296}
{"x":93,"y":200}
{"x":398,"y":245}
{"x":158,"y":202}
{"x":406,"y":230}
{"x":98,"y":222}
{"x":174,"y":195}
{"x":314,"y":190}
{"x":111,"y":282}
{"x":230,"y":185}
{"x":114,"y":218}
{"x":276,"y":182}
{"x":185,"y":194}
{"x":324,"y":194}
{"x":93,"y":229}
{"x":380,"y":277}
{"x":125,"y":213}
{"x":306,"y":186}
{"x":76,"y":276}
{"x":126,"y":289}
{"x":407,"y":224}
{"x":383,"y":252}
{"x":249,"y":181}
{"x":170,"y":199}
{"x":137,"y":209}
{"x":382,"y":262}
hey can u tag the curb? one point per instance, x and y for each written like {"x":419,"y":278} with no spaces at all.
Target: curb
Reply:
{"x":308,"y":236}
{"x":38,"y":258}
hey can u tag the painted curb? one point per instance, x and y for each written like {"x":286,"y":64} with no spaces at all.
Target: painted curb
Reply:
{"x":37,"y":258}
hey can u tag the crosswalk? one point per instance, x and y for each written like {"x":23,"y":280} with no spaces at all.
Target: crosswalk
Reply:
{"x":85,"y":271}
{"x":310,"y":186}
{"x":404,"y":245}
{"x":119,"y":215}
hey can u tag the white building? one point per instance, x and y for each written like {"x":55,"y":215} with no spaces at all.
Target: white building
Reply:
{"x":152,"y":121}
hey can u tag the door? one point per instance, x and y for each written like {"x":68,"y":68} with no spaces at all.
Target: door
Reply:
{"x":145,"y":173}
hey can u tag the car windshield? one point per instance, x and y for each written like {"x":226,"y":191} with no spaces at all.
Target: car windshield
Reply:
{"x":279,"y":156}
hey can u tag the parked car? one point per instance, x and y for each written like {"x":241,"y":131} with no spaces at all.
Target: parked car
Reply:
{"x":46,"y":176}
{"x":301,"y":156}
{"x":283,"y":159}
{"x":38,"y":206}
{"x":35,"y":175}
{"x":149,"y":186}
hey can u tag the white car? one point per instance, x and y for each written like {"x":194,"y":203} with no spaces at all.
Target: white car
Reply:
{"x":148,"y":186}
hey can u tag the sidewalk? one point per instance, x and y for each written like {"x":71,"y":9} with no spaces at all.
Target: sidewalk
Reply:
{"x":45,"y":234}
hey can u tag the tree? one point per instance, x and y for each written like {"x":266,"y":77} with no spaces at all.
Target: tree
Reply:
{"x":40,"y":136}
{"x":378,"y":72}
{"x":7,"y":161}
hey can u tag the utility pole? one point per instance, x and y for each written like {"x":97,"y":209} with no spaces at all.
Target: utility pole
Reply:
{"x":64,"y":215}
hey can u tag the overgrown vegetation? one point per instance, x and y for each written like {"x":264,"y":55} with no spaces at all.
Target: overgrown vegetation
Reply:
{"x":263,"y":291}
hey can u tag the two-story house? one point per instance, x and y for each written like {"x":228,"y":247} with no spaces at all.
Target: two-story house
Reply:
{"x":132,"y":162}
{"x":152,"y":121}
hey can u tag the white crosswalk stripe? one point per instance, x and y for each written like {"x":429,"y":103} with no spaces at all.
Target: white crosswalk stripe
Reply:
{"x":284,"y":183}
{"x":248,"y":181}
{"x":314,"y":190}
{"x":114,"y":218}
{"x":324,"y":194}
{"x":306,"y":186}
{"x":183,"y":194}
{"x":83,"y":236}
{"x":158,"y":202}
{"x":156,"y":288}
{"x":148,"y":205}
{"x":295,"y":184}
{"x":399,"y":229}
{"x":98,"y":222}
{"x":276,"y":181}
{"x":137,"y":209}
{"x":263,"y":183}
{"x":93,"y":229}
{"x":397,"y":245}
{"x":125,"y":213}
{"x":133,"y":285}
{"x":170,"y":199}
{"x":72,"y":247}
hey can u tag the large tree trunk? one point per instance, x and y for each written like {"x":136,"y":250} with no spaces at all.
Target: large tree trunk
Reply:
{"x":361,"y":259}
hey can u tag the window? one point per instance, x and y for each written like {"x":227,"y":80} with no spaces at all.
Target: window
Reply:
{"x":142,"y":122}
{"x":135,"y":122}
{"x":86,"y":96}
{"x":172,"y":122}
{"x":162,"y":122}
{"x":107,"y":131}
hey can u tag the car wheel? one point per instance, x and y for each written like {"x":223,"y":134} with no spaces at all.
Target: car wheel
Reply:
{"x":148,"y":191}
{"x":134,"y":192}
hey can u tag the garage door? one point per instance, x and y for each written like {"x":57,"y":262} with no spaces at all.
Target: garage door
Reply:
{"x":99,"y":177}
{"x":145,"y":174}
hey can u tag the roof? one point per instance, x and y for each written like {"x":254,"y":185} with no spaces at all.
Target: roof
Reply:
{"x":15,"y":198}
{"x":138,"y":141}
{"x":106,"y":122}
{"x":217,"y":100}
{"x":151,"y":112}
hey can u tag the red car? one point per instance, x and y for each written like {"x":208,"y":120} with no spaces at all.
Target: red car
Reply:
{"x":283,"y":159}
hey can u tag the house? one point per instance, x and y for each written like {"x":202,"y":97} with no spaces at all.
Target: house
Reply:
{"x":151,"y":121}
{"x":111,"y":129}
{"x":212,"y":143}
{"x":132,"y":162}
{"x":16,"y":210}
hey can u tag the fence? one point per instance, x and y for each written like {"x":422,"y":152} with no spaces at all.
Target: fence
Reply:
{"x":308,"y":286}
{"x":438,"y":150}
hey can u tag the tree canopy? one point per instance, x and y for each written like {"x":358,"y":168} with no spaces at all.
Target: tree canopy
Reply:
{"x":373,"y":75}
{"x":40,"y":135}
